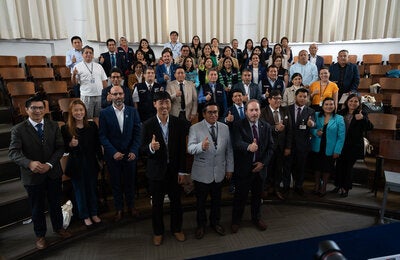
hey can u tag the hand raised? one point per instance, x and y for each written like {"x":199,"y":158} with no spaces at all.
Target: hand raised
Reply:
{"x":74,"y":142}
{"x":359,"y":116}
{"x":230,"y":117}
{"x":310,"y":122}
{"x":205,"y":144}
{"x":154,"y":144}
{"x":253,"y":147}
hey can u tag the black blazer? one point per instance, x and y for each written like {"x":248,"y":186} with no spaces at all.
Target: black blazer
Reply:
{"x":283,"y":139}
{"x":353,"y":147}
{"x":302,"y":137}
{"x":120,"y":62}
{"x":157,"y":162}
{"x":242,"y":137}
{"x":26,"y":146}
{"x":127,"y":97}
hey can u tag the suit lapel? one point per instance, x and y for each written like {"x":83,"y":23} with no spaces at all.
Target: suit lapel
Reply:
{"x":32,"y":131}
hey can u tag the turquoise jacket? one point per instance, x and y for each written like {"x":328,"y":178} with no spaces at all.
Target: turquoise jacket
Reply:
{"x":335,"y":134}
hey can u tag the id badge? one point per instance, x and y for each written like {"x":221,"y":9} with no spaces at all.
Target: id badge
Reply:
{"x":302,"y":127}
{"x":92,"y":81}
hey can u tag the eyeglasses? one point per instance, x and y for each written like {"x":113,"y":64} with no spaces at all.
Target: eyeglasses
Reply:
{"x":36,"y":108}
{"x":115,"y":77}
{"x":212,"y":112}
{"x":277,"y":98}
{"x":117,"y":93}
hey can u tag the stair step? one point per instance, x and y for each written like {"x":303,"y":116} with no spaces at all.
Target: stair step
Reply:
{"x":8,"y":169}
{"x":14,"y":205}
{"x":5,"y":135}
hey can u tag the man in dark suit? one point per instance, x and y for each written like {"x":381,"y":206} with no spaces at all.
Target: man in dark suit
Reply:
{"x":164,"y":142}
{"x":278,"y":117}
{"x":36,"y":147}
{"x":119,"y":132}
{"x":235,"y":112}
{"x":269,"y":83}
{"x":144,"y":93}
{"x":112,"y":58}
{"x":314,"y":58}
{"x":116,"y":77}
{"x":252,"y":147}
{"x":303,"y":119}
{"x":236,"y":52}
{"x":165,"y":72}
{"x":249,"y":89}
{"x":345,"y":74}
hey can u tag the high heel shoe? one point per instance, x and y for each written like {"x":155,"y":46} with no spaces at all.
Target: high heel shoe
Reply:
{"x":335,"y":190}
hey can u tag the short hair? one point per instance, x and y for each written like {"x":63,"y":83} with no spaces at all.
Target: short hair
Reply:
{"x":234,"y":40}
{"x":271,"y":67}
{"x":185,"y":46}
{"x":161,"y":95}
{"x":75,"y":38}
{"x":245,"y":70}
{"x":346,"y":51}
{"x":212,"y":69}
{"x":324,"y":68}
{"x":207,"y":104}
{"x":87,"y":47}
{"x":284,"y":38}
{"x":253,"y":100}
{"x":179,"y":68}
{"x":35,"y":98}
{"x":165,"y":51}
{"x":274,"y":93}
{"x":118,"y":70}
{"x":301,"y":90}
{"x":236,"y":90}
{"x":110,"y":40}
{"x":148,"y":68}
{"x":303,"y":51}
{"x":174,"y":32}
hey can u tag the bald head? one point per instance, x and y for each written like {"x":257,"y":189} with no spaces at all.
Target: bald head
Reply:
{"x":303,"y":57}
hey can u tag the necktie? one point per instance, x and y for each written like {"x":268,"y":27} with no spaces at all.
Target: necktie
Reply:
{"x":40,"y":131}
{"x":113,"y":60}
{"x":150,"y":86}
{"x":241,"y":114}
{"x":183,"y":105}
{"x":213,"y":92}
{"x":213,"y":135}
{"x":276,"y":117}
{"x":255,"y":135}
{"x":298,"y":114}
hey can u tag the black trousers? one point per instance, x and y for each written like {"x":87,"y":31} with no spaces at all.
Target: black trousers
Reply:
{"x":344,"y":173}
{"x":158,"y":190}
{"x":52,"y":189}
{"x":202,"y":191}
{"x":297,"y":162}
{"x":252,"y":182}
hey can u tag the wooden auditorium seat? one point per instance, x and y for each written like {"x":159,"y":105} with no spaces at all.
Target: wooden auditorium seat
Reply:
{"x":364,"y":85}
{"x":64,"y":103}
{"x":19,"y":92}
{"x":371,"y":59}
{"x":55,"y":90}
{"x":12,"y":74}
{"x":384,"y":128}
{"x":328,"y":59}
{"x":40,"y":75}
{"x":394,"y":60}
{"x":388,"y":87}
{"x":8,"y":61}
{"x":35,"y":62}
{"x":378,"y":71}
{"x":353,"y":59}
{"x":395,"y":104}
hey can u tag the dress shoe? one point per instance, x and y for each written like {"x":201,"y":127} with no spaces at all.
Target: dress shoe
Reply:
{"x":344,"y":194}
{"x":135,"y":213}
{"x":118,"y":216}
{"x":157,"y":240}
{"x":41,"y":243}
{"x":299,"y":191}
{"x":260,"y":224}
{"x":64,"y":233}
{"x":335,"y":190}
{"x":285,"y":191}
{"x":219,"y":229}
{"x":180,"y":236}
{"x":199,"y":233}
{"x":279,"y":195}
{"x":96,"y":220}
{"x":234,"y":228}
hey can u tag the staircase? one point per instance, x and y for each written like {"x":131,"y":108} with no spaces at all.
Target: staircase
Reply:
{"x":14,"y":204}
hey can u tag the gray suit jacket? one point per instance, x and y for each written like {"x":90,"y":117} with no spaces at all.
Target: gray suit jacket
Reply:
{"x":190,"y":98}
{"x":212,"y":164}
{"x":26,"y":146}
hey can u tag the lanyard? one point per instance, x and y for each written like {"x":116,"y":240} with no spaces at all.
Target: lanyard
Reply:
{"x":91,"y":71}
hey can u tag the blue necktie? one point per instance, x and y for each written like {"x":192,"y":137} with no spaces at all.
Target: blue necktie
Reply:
{"x":113,"y":60}
{"x":241,"y":112}
{"x":40,"y":131}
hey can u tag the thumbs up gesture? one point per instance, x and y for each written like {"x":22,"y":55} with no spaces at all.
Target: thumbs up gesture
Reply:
{"x":75,"y":72}
{"x":208,"y":97}
{"x":205,"y":144}
{"x":74,"y":142}
{"x":73,"y":59}
{"x":154,"y":144}
{"x":359,"y":116}
{"x":310,"y":122}
{"x":253,"y":147}
{"x":229,"y":117}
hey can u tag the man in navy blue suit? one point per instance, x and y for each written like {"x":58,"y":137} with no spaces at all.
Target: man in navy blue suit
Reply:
{"x":314,"y":58}
{"x":119,"y":132}
{"x":111,"y":58}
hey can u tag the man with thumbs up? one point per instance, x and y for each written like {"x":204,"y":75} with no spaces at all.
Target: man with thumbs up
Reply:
{"x":164,"y":142}
{"x":210,"y":143}
{"x":252,"y":146}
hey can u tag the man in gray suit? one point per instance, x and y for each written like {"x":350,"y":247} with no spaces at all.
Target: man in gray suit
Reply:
{"x":37,"y":147}
{"x":249,"y":89}
{"x":210,"y":143}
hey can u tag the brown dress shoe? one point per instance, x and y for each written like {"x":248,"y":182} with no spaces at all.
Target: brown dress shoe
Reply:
{"x":64,"y":233}
{"x":180,"y":236}
{"x":157,"y":240}
{"x":279,"y":195}
{"x":234,"y":228}
{"x":41,"y":243}
{"x":260,"y":225}
{"x":199,"y":233}
{"x":135,"y":213}
{"x":118,"y":216}
{"x":219,"y":229}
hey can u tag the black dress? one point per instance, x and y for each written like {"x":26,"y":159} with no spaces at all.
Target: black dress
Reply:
{"x":324,"y":163}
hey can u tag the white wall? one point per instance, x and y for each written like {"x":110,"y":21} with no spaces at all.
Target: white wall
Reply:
{"x":245,"y":27}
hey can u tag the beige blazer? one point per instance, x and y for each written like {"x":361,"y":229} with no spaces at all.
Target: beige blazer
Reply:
{"x":190,"y":98}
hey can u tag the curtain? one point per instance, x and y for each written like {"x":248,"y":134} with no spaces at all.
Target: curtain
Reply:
{"x":154,"y":19}
{"x":31,"y":19}
{"x":328,"y":20}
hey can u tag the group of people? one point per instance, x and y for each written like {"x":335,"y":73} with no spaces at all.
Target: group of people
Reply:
{"x":243,"y":122}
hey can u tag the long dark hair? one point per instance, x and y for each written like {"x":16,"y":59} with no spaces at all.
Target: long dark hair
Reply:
{"x":296,"y":75}
{"x":322,"y":113}
{"x":184,"y":64}
{"x":346,"y":107}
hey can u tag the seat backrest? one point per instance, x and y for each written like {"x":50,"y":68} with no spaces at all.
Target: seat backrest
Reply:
{"x":12,"y":74}
{"x":379,"y":70}
{"x":327,"y":59}
{"x":390,"y":84}
{"x":295,"y":59}
{"x":42,"y":73}
{"x":390,"y":149}
{"x":394,"y":60}
{"x":372,"y":59}
{"x":55,"y":87}
{"x":64,"y":103}
{"x":8,"y":61}
{"x":36,"y":61}
{"x":383,"y":121}
{"x":46,"y":109}
{"x":353,"y":59}
{"x":21,"y":88}
{"x":364,"y":84}
{"x":57,"y":61}
{"x":361,"y":70}
{"x":395,"y":100}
